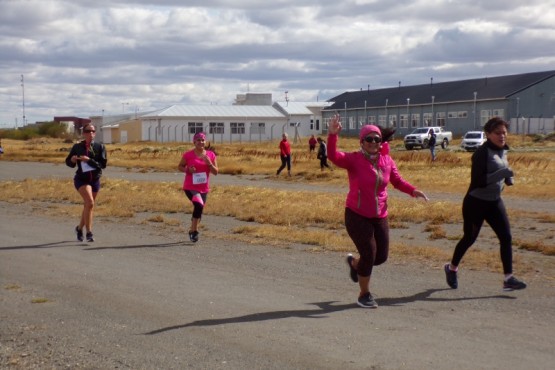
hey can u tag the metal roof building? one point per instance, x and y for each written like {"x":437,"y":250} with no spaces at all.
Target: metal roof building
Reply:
{"x":526,"y":100}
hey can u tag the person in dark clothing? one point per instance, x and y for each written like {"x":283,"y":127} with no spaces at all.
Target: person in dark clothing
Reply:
{"x":323,"y":154}
{"x":432,"y":144}
{"x":490,"y":172}
{"x":90,"y":158}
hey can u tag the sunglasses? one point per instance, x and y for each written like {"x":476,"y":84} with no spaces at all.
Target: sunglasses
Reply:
{"x":370,"y":139}
{"x":88,"y":131}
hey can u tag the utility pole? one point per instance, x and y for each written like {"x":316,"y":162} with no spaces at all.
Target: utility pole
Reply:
{"x":23,"y":94}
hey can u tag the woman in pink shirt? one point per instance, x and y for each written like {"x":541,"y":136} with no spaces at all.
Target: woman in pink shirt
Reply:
{"x":370,"y":169}
{"x":197,"y":164}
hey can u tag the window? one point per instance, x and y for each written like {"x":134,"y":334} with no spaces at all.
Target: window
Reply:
{"x":258,"y":128}
{"x":428,"y":119}
{"x":440,"y":119}
{"x":382,"y":120}
{"x":371,"y":120}
{"x":485,"y":115}
{"x":216,"y":128}
{"x":393,"y":120}
{"x":194,"y":127}
{"x":351,"y":123}
{"x":404,"y":120}
{"x":452,"y":114}
{"x":499,"y":113}
{"x":415,"y":120}
{"x":462,"y":114}
{"x":237,"y":127}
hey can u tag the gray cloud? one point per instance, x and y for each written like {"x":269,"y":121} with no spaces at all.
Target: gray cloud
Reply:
{"x":82,"y":57}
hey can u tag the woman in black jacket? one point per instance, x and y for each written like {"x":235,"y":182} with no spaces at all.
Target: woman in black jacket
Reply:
{"x":90,"y":158}
{"x":489,"y":174}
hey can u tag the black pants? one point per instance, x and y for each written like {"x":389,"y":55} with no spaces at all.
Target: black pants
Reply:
{"x":371,"y":237}
{"x":324,"y":162}
{"x":285,"y":161}
{"x":475,"y":211}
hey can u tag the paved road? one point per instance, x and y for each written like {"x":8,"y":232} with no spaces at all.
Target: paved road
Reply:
{"x":141,"y":298}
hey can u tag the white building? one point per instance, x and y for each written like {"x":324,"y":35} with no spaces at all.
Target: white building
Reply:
{"x":251,"y":118}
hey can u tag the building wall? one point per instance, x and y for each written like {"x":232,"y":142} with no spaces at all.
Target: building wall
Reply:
{"x":177,"y":129}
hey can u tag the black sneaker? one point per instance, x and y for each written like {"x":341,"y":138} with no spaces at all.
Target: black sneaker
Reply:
{"x":90,"y":238}
{"x":193,"y":236}
{"x":79,"y":233}
{"x":513,"y":284}
{"x":367,"y":301}
{"x":352,"y":272}
{"x":450,"y":276}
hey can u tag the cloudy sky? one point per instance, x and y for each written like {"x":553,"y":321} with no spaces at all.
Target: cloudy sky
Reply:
{"x":86,"y":57}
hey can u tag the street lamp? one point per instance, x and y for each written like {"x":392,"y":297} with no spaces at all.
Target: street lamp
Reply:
{"x":475,"y":95}
{"x":432,"y":123}
{"x":408,"y":116}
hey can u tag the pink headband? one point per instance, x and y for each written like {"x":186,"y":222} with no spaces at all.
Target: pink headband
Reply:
{"x":199,"y":135}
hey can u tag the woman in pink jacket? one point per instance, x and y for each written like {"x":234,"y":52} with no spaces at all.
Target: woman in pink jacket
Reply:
{"x":370,"y":170}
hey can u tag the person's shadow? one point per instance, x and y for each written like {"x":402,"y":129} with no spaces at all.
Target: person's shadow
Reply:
{"x":323,"y":310}
{"x":72,"y":243}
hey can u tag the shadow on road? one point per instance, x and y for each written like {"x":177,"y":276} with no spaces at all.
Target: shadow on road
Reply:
{"x":323,"y":309}
{"x":162,"y":245}
{"x":46,"y":245}
{"x":68,"y":243}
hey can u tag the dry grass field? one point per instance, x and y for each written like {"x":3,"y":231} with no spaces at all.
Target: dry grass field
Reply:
{"x":317,"y":216}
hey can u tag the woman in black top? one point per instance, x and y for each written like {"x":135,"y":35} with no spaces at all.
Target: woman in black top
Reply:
{"x":90,"y":158}
{"x":490,"y":173}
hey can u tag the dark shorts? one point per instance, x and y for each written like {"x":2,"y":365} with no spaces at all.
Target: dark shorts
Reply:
{"x":95,"y":184}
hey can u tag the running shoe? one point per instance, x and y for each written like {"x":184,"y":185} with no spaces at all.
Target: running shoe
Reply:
{"x":193,"y":236}
{"x":90,"y":238}
{"x":367,"y":301}
{"x":352,"y":272}
{"x":450,"y":276}
{"x":513,"y":284}
{"x":79,"y":233}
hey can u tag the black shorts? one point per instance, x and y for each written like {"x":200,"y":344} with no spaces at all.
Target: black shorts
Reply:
{"x":95,"y":184}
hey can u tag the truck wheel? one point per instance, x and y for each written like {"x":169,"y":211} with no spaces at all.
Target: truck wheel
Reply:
{"x":444,"y":143}
{"x":408,"y":147}
{"x":425,"y":144}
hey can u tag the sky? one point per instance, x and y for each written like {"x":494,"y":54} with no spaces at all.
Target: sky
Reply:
{"x":93,"y":57}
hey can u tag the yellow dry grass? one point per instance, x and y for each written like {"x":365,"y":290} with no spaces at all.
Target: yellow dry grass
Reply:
{"x":280,"y":216}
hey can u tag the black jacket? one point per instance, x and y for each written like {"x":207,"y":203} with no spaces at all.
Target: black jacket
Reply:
{"x":98,"y":160}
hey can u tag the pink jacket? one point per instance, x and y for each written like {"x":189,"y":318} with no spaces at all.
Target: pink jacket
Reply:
{"x":367,"y":185}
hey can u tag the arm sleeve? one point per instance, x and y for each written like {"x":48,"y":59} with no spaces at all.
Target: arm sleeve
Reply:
{"x":397,"y":181}
{"x":336,"y":157}
{"x":69,"y":163}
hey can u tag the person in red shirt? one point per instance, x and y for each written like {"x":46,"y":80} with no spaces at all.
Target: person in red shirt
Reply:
{"x":312,"y":143}
{"x":285,"y":154}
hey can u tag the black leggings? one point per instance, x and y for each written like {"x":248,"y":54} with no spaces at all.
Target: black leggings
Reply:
{"x":197,"y":210}
{"x":285,"y":161}
{"x":475,"y":212}
{"x":371,"y":237}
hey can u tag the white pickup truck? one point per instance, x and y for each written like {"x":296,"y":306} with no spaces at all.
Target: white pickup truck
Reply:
{"x":421,"y":136}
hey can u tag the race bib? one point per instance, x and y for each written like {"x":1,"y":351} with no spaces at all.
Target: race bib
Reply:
{"x":85,"y":167}
{"x":200,"y":178}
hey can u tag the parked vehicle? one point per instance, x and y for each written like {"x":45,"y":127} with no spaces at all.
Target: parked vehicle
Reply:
{"x":420,"y":137}
{"x":472,"y":140}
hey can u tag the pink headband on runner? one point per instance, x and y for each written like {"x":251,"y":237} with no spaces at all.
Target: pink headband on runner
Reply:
{"x":199,"y":135}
